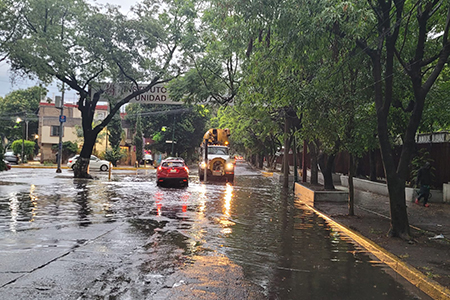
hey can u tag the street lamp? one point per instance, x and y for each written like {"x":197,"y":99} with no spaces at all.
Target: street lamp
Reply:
{"x":18,"y":120}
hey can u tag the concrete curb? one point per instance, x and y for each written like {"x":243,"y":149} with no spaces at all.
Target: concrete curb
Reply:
{"x":417,"y":278}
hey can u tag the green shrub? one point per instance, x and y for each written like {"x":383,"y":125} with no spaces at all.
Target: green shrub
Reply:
{"x":114,"y":155}
{"x":28,"y":149}
{"x":68,"y":149}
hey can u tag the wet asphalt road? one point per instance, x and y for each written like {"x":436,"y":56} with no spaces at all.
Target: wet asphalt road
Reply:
{"x":62,"y":238}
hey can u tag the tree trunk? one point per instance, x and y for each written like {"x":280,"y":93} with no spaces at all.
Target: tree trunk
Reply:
{"x":261,"y":161}
{"x":314,"y":165}
{"x":304,"y":166}
{"x":286,"y":153}
{"x":394,"y":175}
{"x":81,"y":167}
{"x":326,"y":166}
{"x":423,"y":74}
{"x":399,"y":216}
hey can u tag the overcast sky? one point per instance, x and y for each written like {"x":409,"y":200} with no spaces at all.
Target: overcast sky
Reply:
{"x":5,"y":82}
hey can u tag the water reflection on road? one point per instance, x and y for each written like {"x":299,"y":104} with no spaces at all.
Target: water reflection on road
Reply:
{"x":283,"y":248}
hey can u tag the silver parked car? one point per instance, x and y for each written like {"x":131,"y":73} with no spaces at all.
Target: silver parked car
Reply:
{"x":11,"y":157}
{"x":95,"y":163}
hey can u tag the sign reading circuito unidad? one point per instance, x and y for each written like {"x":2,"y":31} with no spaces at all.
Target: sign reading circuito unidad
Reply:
{"x":157,"y":94}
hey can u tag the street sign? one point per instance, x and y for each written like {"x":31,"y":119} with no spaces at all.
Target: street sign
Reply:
{"x":62,"y":119}
{"x":158,"y":94}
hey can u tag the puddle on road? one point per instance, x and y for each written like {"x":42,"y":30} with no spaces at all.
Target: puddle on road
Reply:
{"x":285,"y":250}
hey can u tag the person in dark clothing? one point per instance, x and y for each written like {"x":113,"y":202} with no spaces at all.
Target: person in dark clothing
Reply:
{"x":424,"y":181}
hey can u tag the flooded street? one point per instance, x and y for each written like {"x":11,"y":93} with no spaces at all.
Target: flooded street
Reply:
{"x":126,"y":238}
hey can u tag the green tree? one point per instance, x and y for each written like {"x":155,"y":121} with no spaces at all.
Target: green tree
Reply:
{"x":436,"y":113}
{"x":115,"y":134}
{"x":138,"y":141}
{"x":78,"y":45}
{"x":114,"y":155}
{"x":115,"y":131}
{"x":8,"y":26}
{"x":397,"y":34}
{"x":23,"y":104}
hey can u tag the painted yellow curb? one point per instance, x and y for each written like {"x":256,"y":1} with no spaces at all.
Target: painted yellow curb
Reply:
{"x":425,"y":284}
{"x":36,"y":167}
{"x":267,"y":174}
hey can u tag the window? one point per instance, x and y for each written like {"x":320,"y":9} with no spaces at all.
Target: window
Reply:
{"x":54,"y":131}
{"x":100,"y":116}
{"x":173,"y":164}
{"x":218,"y":150}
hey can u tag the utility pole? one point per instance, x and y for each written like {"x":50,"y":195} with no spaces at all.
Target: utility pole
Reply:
{"x":61,"y":128}
{"x":173,"y":135}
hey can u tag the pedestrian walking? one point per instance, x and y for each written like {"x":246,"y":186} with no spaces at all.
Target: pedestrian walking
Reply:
{"x":424,"y":182}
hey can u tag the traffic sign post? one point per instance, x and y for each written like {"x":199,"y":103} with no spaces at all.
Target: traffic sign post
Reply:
{"x":62,"y":119}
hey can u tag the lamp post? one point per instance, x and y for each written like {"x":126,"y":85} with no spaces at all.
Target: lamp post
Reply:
{"x":18,"y":120}
{"x":26,"y":137}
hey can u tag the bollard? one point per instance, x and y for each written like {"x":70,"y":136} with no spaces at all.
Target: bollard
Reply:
{"x":109,"y":175}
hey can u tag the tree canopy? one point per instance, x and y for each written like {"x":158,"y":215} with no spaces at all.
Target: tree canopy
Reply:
{"x":20,"y":106}
{"x":83,"y":46}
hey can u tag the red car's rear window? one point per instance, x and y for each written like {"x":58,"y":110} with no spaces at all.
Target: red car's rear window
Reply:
{"x":170,"y":164}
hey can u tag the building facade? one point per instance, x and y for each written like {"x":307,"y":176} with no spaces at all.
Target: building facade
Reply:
{"x":49,"y":123}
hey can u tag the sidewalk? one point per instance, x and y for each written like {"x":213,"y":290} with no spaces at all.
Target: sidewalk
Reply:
{"x":429,"y":249}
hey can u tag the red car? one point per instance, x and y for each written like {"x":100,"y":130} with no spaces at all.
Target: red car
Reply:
{"x":172,"y":171}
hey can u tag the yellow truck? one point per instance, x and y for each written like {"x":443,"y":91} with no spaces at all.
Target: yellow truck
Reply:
{"x":215,"y":160}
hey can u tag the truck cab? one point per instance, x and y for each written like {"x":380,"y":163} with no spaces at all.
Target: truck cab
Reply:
{"x":215,"y":157}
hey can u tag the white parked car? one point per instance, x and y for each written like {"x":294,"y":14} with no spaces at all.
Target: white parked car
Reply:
{"x":95,"y":163}
{"x":148,"y":159}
